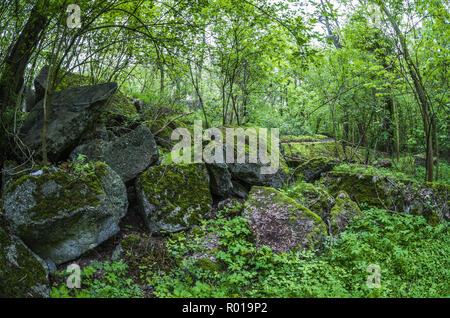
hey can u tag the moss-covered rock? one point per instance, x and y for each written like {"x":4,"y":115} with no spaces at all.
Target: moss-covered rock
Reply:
{"x":364,"y":188}
{"x":392,"y":192}
{"x":313,"y":168}
{"x":428,"y":199}
{"x":247,"y":172}
{"x":280,"y":223}
{"x":121,"y":104}
{"x":174,"y":197}
{"x":22,"y":273}
{"x":313,"y":197}
{"x":297,"y":153}
{"x":208,"y":265}
{"x":342,"y":213}
{"x":129,"y":155}
{"x":73,"y":114}
{"x":60,"y":215}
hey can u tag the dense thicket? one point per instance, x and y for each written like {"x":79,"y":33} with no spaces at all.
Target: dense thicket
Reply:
{"x":372,"y":73}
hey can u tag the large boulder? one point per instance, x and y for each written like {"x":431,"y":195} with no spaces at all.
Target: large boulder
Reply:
{"x":313,"y":168}
{"x":400,"y":194}
{"x":250,"y":173}
{"x":22,"y":273}
{"x":64,"y":81}
{"x":313,"y":197}
{"x":342,"y":213}
{"x":280,"y":223}
{"x":60,"y":215}
{"x":128,"y":155}
{"x":298,"y":152}
{"x":221,"y":183}
{"x":72,"y":113}
{"x":224,"y":175}
{"x":174,"y":197}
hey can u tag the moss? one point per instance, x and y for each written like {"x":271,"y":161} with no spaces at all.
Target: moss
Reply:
{"x":177,"y":191}
{"x":342,"y":212}
{"x":299,"y":152}
{"x":72,"y":80}
{"x":165,"y":125}
{"x":18,"y":280}
{"x":363,"y":188}
{"x":130,"y":242}
{"x":208,"y":265}
{"x":315,"y":163}
{"x":283,"y":200}
{"x":120,"y":104}
{"x":309,"y":150}
{"x":60,"y":191}
{"x":313,"y":197}
{"x":299,"y":138}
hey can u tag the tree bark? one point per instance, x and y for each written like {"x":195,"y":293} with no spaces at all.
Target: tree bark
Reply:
{"x":421,"y":94}
{"x":12,"y":73}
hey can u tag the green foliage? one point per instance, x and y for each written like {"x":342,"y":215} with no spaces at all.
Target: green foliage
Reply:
{"x":99,"y":280}
{"x":413,"y":257}
{"x":405,"y":169}
{"x":444,"y":173}
{"x":81,"y":166}
{"x":371,"y":170}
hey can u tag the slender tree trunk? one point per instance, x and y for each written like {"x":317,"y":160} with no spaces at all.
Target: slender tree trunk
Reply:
{"x":161,"y":70}
{"x":421,"y":94}
{"x":397,"y":134}
{"x":436,"y":149}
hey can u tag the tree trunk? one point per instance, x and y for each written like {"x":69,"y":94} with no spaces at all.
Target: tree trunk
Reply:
{"x":12,"y":73}
{"x":13,"y":70}
{"x":421,"y":94}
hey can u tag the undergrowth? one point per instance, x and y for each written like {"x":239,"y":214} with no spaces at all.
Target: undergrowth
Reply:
{"x":412,"y":256}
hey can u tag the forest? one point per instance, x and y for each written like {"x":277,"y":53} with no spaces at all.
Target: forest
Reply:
{"x":350,"y":99}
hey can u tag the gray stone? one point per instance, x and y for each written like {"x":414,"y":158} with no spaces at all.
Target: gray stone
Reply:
{"x":313,"y":169}
{"x":40,"y":83}
{"x":250,"y":173}
{"x":61,"y":216}
{"x":239,"y":190}
{"x":22,"y":273}
{"x":280,"y":223}
{"x":72,"y":113}
{"x":129,"y":155}
{"x":172,"y":198}
{"x":221,"y":183}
